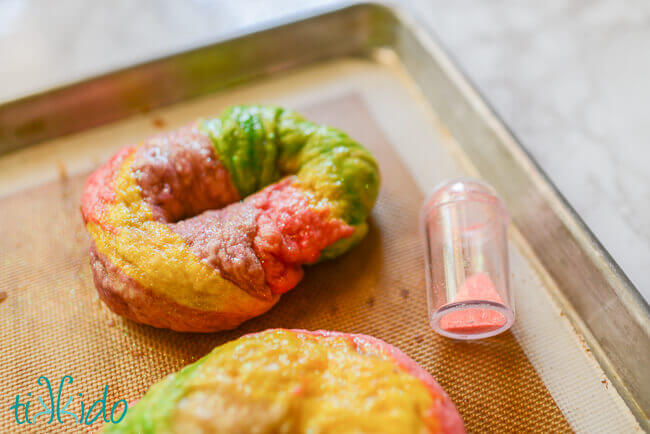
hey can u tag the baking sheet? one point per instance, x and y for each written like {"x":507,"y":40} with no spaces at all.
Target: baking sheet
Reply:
{"x":541,"y":377}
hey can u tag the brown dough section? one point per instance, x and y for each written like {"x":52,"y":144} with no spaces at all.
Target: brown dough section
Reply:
{"x":180,"y":175}
{"x":223,"y":239}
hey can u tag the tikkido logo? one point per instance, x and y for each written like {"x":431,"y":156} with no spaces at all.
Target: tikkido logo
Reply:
{"x":61,"y":413}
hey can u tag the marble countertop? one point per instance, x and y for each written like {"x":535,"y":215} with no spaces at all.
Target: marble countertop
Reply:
{"x":569,"y":78}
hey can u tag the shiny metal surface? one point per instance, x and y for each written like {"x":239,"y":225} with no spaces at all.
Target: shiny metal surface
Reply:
{"x":602,"y":303}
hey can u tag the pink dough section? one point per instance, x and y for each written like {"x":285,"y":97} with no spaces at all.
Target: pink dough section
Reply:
{"x":291,"y":231}
{"x":479,"y":286}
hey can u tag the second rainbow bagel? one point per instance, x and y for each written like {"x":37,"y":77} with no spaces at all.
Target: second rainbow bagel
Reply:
{"x":296,"y":381}
{"x":205,"y":227}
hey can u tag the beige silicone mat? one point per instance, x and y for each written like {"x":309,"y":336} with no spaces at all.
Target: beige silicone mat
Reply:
{"x":53,"y":324}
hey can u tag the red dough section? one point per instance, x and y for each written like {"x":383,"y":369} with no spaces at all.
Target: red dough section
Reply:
{"x":99,"y":193}
{"x":291,"y":231}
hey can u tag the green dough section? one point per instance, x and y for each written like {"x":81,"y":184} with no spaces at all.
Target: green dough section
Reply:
{"x":261,"y":144}
{"x":152,"y":413}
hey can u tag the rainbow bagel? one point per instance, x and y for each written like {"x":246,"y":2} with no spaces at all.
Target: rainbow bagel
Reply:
{"x":295,"y":381}
{"x":172,"y":244}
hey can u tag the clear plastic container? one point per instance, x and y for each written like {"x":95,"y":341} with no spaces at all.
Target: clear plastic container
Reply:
{"x":465,"y":226}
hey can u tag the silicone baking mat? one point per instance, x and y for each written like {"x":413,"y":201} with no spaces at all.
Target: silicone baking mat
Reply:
{"x":52,"y":323}
{"x":43,"y":265}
